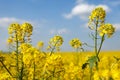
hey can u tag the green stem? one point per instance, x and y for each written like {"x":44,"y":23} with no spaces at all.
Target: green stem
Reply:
{"x":102,"y":40}
{"x":6,"y":68}
{"x":22,"y":63}
{"x":22,"y":67}
{"x":53,"y":48}
{"x":17,"y":52}
{"x":90,"y":74}
{"x":96,"y":48}
{"x":96,"y":31}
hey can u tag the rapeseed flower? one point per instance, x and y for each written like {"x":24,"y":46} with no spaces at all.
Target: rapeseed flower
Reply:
{"x":75,"y":43}
{"x":106,"y":29}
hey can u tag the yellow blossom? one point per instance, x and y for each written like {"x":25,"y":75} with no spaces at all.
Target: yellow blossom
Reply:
{"x":75,"y":43}
{"x":106,"y":29}
{"x":98,"y":14}
{"x":40,"y":44}
{"x":96,"y":17}
{"x":56,"y":40}
{"x":10,"y":40}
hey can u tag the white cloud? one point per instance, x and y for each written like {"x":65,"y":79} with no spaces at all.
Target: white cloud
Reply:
{"x":117,"y":26}
{"x":5,"y":22}
{"x":83,"y":10}
{"x":59,"y":31}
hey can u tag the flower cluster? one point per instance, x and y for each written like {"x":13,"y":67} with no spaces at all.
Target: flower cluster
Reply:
{"x":14,"y":28}
{"x":107,"y":29}
{"x":55,"y":42}
{"x":25,"y":48}
{"x":27,"y":51}
{"x":73,"y":72}
{"x":96,"y":17}
{"x":75,"y":43}
{"x":20,"y":33}
{"x":54,"y":65}
{"x":31,"y":56}
{"x":98,"y":14}
{"x":106,"y":74}
{"x":5,"y":76}
{"x":27,"y":30}
{"x":15,"y":32}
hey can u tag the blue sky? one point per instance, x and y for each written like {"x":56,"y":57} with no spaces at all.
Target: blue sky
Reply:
{"x":65,"y":17}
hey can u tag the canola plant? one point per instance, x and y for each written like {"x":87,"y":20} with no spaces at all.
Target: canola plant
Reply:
{"x":27,"y":62}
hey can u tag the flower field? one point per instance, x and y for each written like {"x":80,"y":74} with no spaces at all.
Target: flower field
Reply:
{"x":62,"y":66}
{"x":26,"y":62}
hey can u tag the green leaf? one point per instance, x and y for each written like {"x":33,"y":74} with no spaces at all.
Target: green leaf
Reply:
{"x":92,"y":60}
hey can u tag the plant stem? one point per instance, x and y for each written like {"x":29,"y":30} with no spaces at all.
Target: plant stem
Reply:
{"x":102,"y":40}
{"x":90,"y":74}
{"x":53,"y":48}
{"x":6,"y":68}
{"x":22,"y":67}
{"x":17,"y":45}
{"x":17,"y":51}
{"x":96,"y":48}
{"x":96,"y":31}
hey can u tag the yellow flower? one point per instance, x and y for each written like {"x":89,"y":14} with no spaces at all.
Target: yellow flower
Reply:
{"x":75,"y":43}
{"x":54,"y":65}
{"x":15,"y":27}
{"x":98,"y":14}
{"x":115,"y":74}
{"x":5,"y":76}
{"x":20,"y":33}
{"x":15,"y":32}
{"x":107,"y":29}
{"x":40,"y":44}
{"x":24,"y":46}
{"x":96,"y":75}
{"x":56,"y":40}
{"x":10,"y":40}
{"x":27,"y":27}
{"x":73,"y":72}
{"x":105,"y":74}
